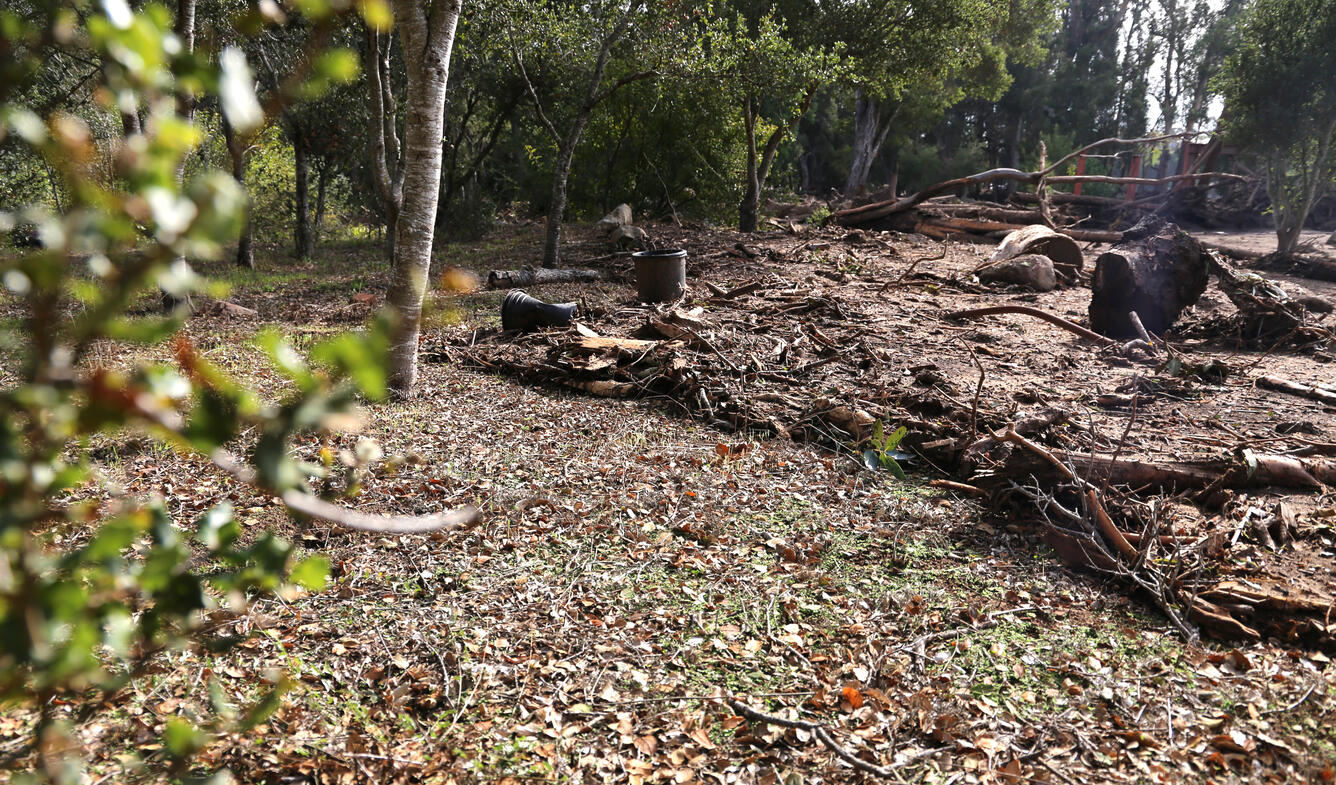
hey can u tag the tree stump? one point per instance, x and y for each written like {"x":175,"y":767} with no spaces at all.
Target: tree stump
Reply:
{"x":1156,"y":271}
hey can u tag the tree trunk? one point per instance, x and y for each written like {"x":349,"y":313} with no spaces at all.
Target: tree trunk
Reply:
{"x":185,"y":107}
{"x":758,"y":166}
{"x":556,"y":208}
{"x":322,"y":184}
{"x":749,"y":208}
{"x":870,"y":130}
{"x":1287,"y":235}
{"x":865,"y":131}
{"x":386,"y":166}
{"x":428,"y":33}
{"x":302,"y":245}
{"x":236,"y":150}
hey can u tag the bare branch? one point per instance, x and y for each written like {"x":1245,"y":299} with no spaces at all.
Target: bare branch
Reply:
{"x":306,"y":504}
{"x":821,"y":732}
{"x":1058,"y":321}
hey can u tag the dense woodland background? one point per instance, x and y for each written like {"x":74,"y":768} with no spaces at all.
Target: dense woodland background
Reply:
{"x":648,"y":104}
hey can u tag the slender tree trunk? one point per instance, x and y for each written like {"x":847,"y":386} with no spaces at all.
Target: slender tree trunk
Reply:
{"x":427,"y":32}
{"x":386,"y":165}
{"x":322,"y":186}
{"x":302,"y":245}
{"x":749,"y":208}
{"x":556,"y":208}
{"x":758,"y":166}
{"x":566,"y":144}
{"x":185,"y":107}
{"x":236,"y":150}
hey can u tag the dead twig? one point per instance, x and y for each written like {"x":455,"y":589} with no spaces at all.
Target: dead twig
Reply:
{"x":821,"y":732}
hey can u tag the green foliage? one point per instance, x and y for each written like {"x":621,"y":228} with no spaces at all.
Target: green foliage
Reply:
{"x":1281,"y":102}
{"x":882,"y":449}
{"x":78,"y":624}
{"x":923,"y":164}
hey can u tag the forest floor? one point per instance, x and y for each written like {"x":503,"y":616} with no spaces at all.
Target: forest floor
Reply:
{"x":638,"y":562}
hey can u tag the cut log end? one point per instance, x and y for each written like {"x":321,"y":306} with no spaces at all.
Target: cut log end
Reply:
{"x":1156,"y":275}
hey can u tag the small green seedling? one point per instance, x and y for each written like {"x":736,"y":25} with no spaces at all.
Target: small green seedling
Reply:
{"x":882,"y":450}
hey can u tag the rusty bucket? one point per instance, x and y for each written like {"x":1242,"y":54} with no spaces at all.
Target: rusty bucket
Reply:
{"x":661,"y":275}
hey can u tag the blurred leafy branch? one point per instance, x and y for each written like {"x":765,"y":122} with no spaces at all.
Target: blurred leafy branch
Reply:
{"x":79,"y":624}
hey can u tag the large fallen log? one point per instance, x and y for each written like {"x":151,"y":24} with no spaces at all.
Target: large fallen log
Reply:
{"x":983,"y":212}
{"x":1155,"y":272}
{"x":1301,"y":265}
{"x":942,"y":226}
{"x":537,"y":276}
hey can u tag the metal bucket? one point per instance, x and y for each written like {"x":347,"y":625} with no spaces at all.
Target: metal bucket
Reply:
{"x":519,"y":311}
{"x":661,"y":276}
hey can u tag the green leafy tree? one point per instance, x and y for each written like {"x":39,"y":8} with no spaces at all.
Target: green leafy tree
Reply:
{"x":771,"y":77}
{"x":911,"y":60}
{"x":1278,"y":87}
{"x":572,"y":59}
{"x":80,"y":623}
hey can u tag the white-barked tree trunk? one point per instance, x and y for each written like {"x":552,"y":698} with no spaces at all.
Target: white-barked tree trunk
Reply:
{"x":427,"y":31}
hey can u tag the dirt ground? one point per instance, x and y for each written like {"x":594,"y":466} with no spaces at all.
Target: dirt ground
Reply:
{"x":641,"y":560}
{"x":1313,"y":243}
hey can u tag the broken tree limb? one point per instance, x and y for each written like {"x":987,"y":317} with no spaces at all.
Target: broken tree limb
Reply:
{"x":1246,"y":471}
{"x":984,"y":212}
{"x":1052,"y":319}
{"x":1156,"y":271}
{"x":537,"y":276}
{"x":1107,"y":527}
{"x":1308,"y":391}
{"x":306,"y":504}
{"x":1267,"y":314}
{"x":865,"y":214}
{"x":821,"y":732}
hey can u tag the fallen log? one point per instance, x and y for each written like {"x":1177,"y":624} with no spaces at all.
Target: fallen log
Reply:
{"x":1299,"y":265}
{"x":1060,"y":197}
{"x":1156,"y":272}
{"x":1249,"y":470}
{"x":1294,"y":388}
{"x":537,"y":276}
{"x":942,"y":227}
{"x":985,"y":212}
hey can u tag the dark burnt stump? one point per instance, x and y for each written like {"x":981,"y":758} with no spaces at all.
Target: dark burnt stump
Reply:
{"x":1156,"y":270}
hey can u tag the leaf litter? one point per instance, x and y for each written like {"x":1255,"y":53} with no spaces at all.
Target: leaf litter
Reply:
{"x":638,"y":568}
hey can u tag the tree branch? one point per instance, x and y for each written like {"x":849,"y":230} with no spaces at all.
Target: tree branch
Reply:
{"x":619,"y":84}
{"x":306,"y":504}
{"x":821,"y":732}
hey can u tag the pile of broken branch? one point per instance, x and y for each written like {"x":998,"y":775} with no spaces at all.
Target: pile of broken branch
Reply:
{"x":814,"y":359}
